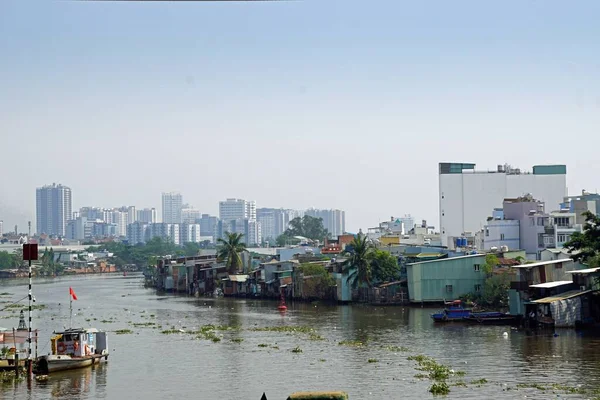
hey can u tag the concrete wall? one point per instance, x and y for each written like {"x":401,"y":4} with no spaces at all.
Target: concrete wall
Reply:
{"x":499,"y":233}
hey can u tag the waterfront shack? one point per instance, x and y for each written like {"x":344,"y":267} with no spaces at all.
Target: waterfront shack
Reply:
{"x":445,"y":279}
{"x":267,"y":280}
{"x":544,"y":293}
{"x":236,"y":285}
{"x":182,"y":274}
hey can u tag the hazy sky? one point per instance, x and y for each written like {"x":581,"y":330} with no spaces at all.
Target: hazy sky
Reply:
{"x":327,"y":104}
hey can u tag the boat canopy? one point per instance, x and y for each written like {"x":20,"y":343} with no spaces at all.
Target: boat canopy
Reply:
{"x":78,"y":330}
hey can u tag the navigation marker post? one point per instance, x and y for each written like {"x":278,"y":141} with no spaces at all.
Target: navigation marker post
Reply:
{"x":30,"y":253}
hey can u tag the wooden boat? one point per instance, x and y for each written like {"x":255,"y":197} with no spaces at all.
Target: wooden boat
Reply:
{"x":454,"y":312}
{"x":492,"y":318}
{"x":72,"y":349}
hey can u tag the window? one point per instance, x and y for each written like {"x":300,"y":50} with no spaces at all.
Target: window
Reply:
{"x":487,"y":232}
{"x":540,"y":221}
{"x":557,"y":266}
{"x":502,"y":236}
{"x":532,"y":221}
{"x":477,"y":288}
{"x":561,"y":237}
{"x":477,"y":267}
{"x":449,"y":288}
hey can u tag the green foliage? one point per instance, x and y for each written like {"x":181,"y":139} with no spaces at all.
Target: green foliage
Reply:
{"x":494,"y":294}
{"x":318,"y":286}
{"x":358,"y":265}
{"x":140,"y":254}
{"x":366,"y":264}
{"x":384,"y":266}
{"x":7,"y":260}
{"x":307,"y":226}
{"x":439,"y":388}
{"x":229,"y":251}
{"x":491,"y":262}
{"x":586,"y":244}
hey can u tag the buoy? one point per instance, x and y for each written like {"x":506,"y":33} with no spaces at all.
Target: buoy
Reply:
{"x":282,"y":306}
{"x":505,"y":334}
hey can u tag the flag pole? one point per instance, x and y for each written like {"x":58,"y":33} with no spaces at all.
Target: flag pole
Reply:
{"x":70,"y":309}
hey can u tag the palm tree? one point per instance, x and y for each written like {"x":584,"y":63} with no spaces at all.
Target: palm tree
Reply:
{"x":229,"y":251}
{"x":358,"y":264}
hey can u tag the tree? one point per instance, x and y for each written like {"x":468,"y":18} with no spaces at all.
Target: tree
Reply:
{"x":191,"y":249}
{"x":384,"y":266}
{"x":308,"y":227}
{"x":6,"y":260}
{"x":491,"y":262}
{"x":320,"y":282}
{"x":358,"y":264}
{"x":229,"y":251}
{"x":585,"y":247}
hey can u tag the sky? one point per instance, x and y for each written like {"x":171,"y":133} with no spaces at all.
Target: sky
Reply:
{"x":294,"y":104}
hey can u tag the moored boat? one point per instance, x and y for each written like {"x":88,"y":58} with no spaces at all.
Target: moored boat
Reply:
{"x":454,"y":312}
{"x":492,"y":318}
{"x":72,"y":349}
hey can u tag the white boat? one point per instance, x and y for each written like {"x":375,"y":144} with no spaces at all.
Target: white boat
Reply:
{"x":72,"y":349}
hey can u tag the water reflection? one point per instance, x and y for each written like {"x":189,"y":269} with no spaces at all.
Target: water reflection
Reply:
{"x":77,"y":384}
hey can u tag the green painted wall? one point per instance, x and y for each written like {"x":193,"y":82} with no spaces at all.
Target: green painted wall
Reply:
{"x":549,"y":169}
{"x":427,"y":281}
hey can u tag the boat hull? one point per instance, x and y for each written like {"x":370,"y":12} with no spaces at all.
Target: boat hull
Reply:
{"x":49,"y":364}
{"x":504,"y":320}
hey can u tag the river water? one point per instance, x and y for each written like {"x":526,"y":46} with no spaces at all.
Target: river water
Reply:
{"x":149,"y":364}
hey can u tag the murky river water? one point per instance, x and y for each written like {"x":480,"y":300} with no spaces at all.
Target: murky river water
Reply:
{"x":149,"y":364}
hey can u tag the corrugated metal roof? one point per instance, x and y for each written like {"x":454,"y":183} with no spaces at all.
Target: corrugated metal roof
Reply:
{"x":541,"y":263}
{"x":548,"y":285}
{"x":391,"y":283}
{"x":238,"y":278}
{"x":562,"y":296}
{"x":448,"y":259}
{"x":584,"y":271}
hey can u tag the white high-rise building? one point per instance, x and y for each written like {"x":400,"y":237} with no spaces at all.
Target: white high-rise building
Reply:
{"x":231,"y":209}
{"x":53,"y":209}
{"x":171,"y":207}
{"x":190,"y":233}
{"x":1,"y":227}
{"x":131,"y":215}
{"x":147,"y":215}
{"x":467,"y":196}
{"x":333,"y":220}
{"x":136,"y":232}
{"x":168,"y":232}
{"x":190,"y":215}
{"x":119,"y":218}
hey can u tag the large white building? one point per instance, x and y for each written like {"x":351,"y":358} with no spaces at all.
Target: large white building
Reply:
{"x":333,"y":220}
{"x":147,"y":215}
{"x":53,"y":209}
{"x":136,"y":232}
{"x":231,"y":209}
{"x":238,"y":215}
{"x":1,"y":227}
{"x":190,"y":233}
{"x":190,"y":215}
{"x":171,"y":208}
{"x":466,"y":196}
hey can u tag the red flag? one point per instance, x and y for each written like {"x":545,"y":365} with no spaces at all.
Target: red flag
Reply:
{"x":72,"y":293}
